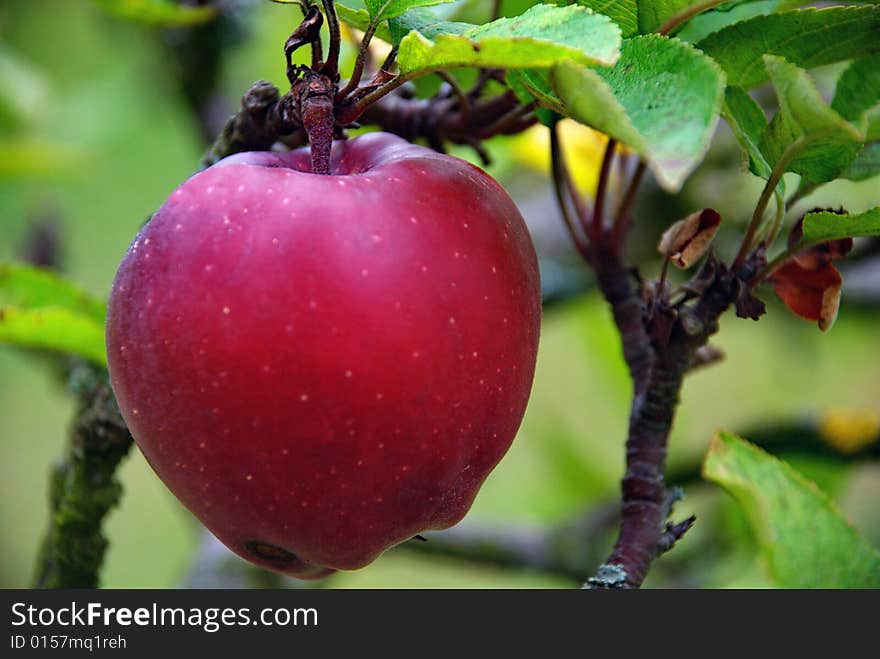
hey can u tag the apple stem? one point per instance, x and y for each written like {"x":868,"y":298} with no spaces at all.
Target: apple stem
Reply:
{"x":317,"y":116}
{"x":313,"y":95}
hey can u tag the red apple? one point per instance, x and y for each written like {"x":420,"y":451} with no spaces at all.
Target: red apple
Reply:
{"x":320,"y":367}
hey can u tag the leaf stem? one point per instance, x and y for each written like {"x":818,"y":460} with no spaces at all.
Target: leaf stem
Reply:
{"x":769,"y":189}
{"x":332,"y":61}
{"x":560,"y":187}
{"x":596,"y":226}
{"x":509,"y":119}
{"x":687,"y":14}
{"x":363,"y":51}
{"x":618,"y":230}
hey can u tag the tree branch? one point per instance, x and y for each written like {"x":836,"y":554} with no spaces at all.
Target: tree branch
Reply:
{"x":644,"y":533}
{"x":83,"y":487}
{"x":555,"y":550}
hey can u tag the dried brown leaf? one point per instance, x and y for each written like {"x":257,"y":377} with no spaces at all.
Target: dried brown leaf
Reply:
{"x":688,"y":239}
{"x":811,"y":293}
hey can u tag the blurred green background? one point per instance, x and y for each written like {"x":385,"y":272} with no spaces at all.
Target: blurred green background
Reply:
{"x":94,"y":132}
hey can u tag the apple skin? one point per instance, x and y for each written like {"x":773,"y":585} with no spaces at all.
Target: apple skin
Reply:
{"x":321,"y":367}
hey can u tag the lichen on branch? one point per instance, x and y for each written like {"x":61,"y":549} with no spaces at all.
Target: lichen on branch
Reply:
{"x":84,"y":486}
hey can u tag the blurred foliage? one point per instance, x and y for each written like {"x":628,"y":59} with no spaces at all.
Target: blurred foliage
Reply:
{"x":806,"y":540}
{"x":116,"y":136}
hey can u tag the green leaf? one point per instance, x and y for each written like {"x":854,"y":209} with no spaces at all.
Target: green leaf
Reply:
{"x":541,"y":37}
{"x":866,"y":164}
{"x":802,"y":534}
{"x":812,"y":139}
{"x":52,"y":328}
{"x":424,"y":21}
{"x":536,"y":83}
{"x":623,"y":12}
{"x":28,"y":286}
{"x":393,"y":8}
{"x":858,"y":93}
{"x":805,"y":37}
{"x":824,"y":226}
{"x":39,"y":309}
{"x":702,"y":25}
{"x":662,"y":98}
{"x":157,"y":13}
{"x":748,"y":123}
{"x":654,"y":13}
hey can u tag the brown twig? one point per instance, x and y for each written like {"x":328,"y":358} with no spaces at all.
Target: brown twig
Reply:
{"x":596,"y":225}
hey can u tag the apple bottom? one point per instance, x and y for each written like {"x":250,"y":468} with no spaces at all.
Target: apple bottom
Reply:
{"x":345,"y":543}
{"x":281,"y":560}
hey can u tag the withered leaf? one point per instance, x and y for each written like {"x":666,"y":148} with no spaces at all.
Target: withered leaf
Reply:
{"x":811,"y":293}
{"x":747,"y":305}
{"x":688,"y":239}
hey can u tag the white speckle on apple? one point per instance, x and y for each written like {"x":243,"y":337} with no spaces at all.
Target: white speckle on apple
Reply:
{"x":241,"y":188}
{"x":452,"y":320}
{"x":376,"y":238}
{"x":226,"y":311}
{"x":285,"y":201}
{"x":303,"y":397}
{"x":348,"y":374}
